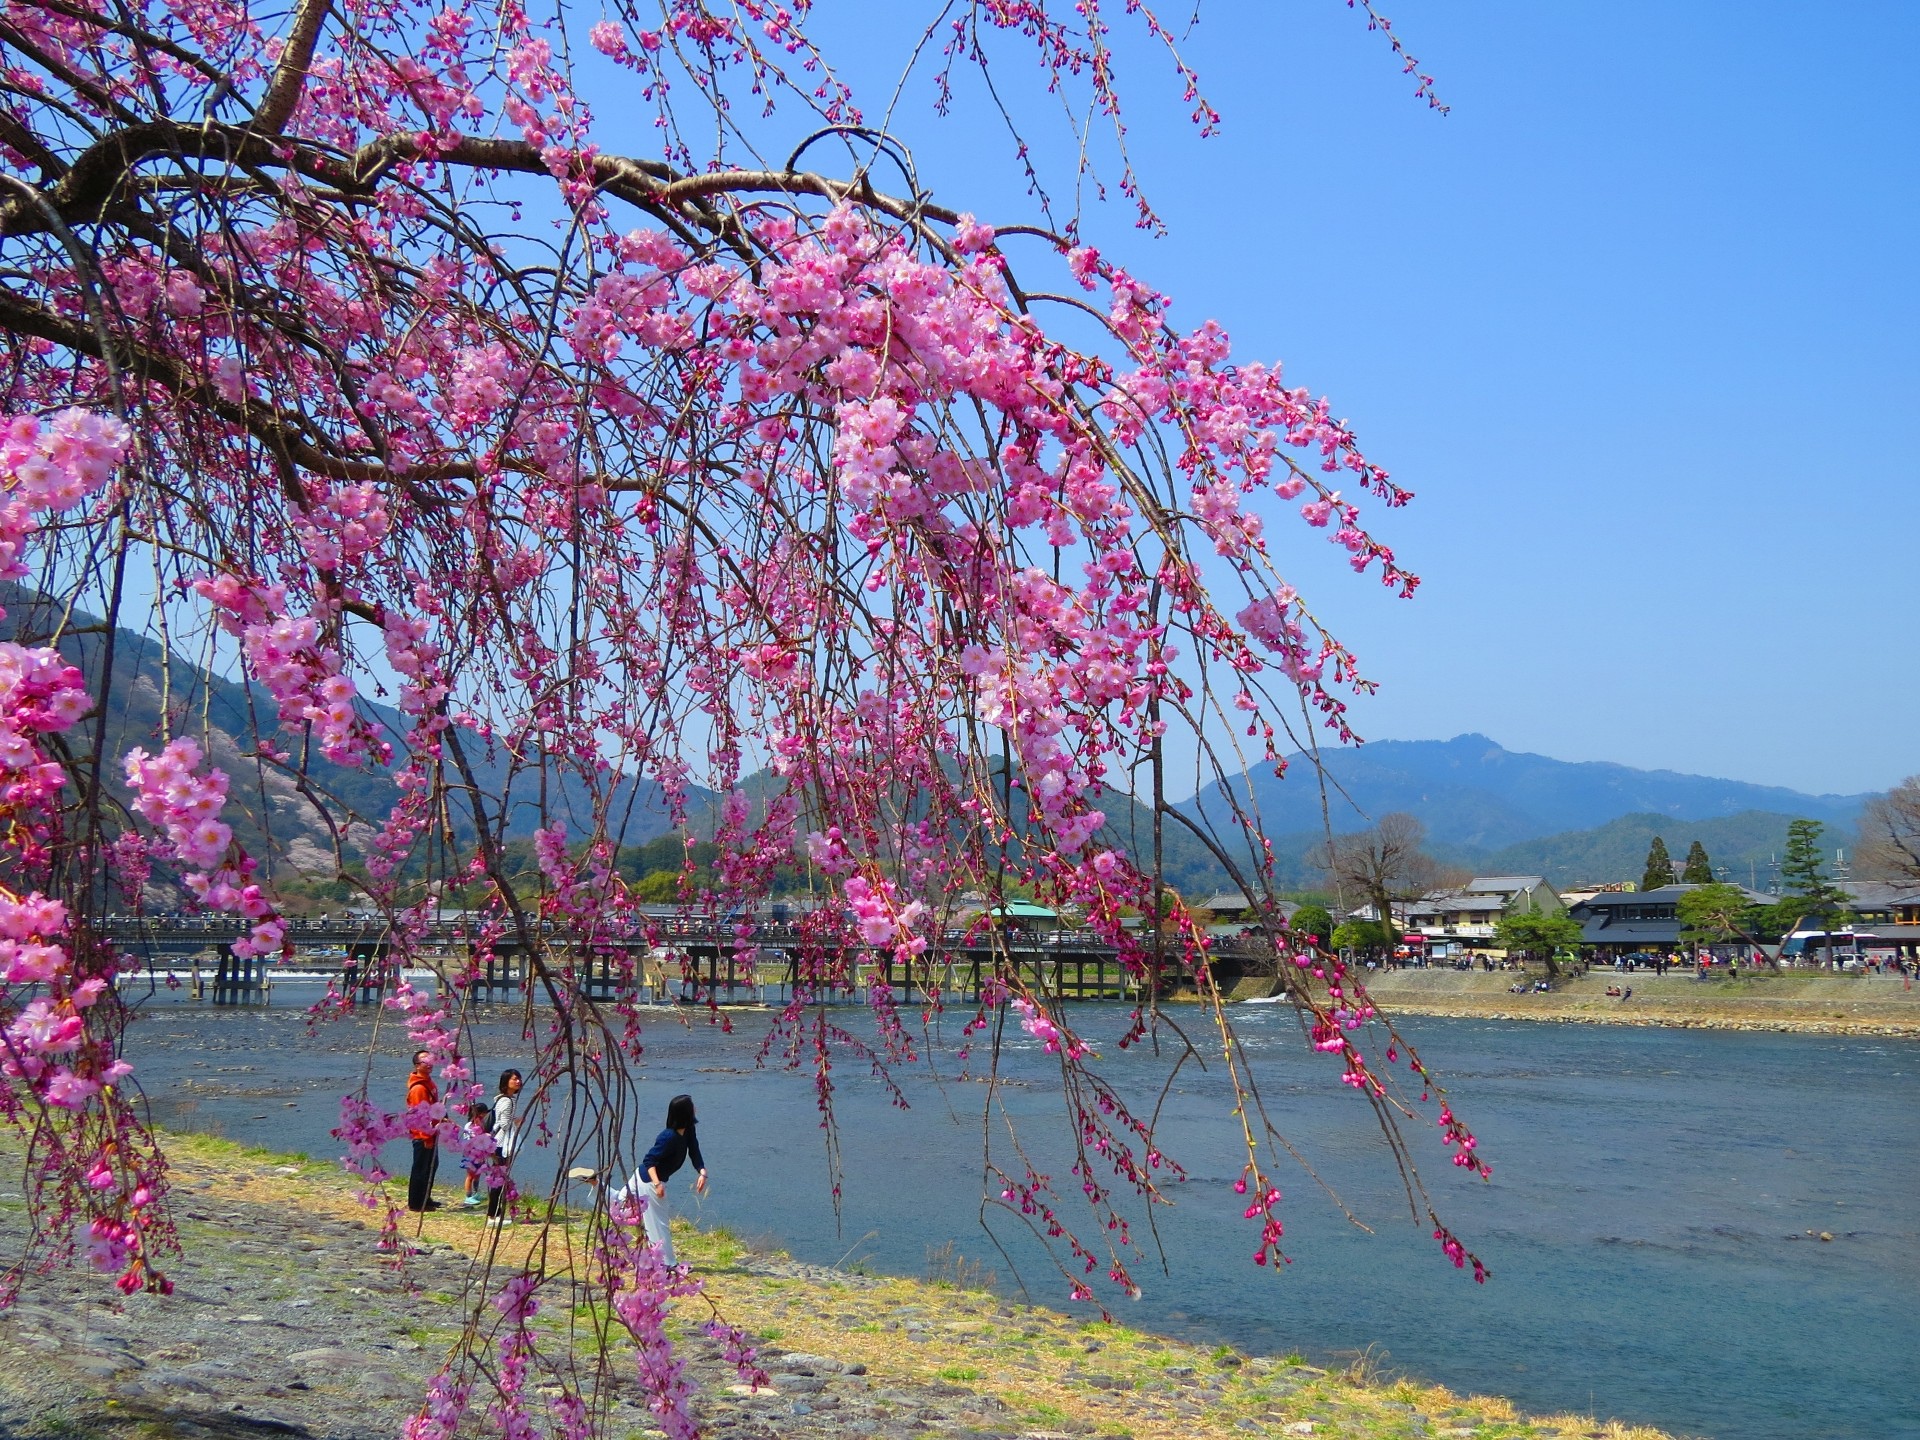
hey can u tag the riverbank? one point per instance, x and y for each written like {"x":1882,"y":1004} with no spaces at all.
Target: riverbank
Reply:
{"x":286,"y":1320}
{"x":1806,"y":1001}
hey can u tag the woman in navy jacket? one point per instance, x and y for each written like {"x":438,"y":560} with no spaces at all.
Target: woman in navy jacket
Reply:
{"x":672,"y":1148}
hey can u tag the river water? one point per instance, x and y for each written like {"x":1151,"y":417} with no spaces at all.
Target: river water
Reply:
{"x":1647,"y":1225}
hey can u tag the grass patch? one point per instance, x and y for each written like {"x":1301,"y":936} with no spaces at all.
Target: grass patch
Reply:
{"x":1367,"y":1369}
{"x":951,"y":1270}
{"x":716,"y":1249}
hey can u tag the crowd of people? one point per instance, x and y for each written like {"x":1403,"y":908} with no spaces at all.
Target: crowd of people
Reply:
{"x":1414,"y":959}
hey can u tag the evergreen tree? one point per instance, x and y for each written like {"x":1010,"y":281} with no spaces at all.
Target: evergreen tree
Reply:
{"x":1659,"y":866}
{"x":1715,"y":913}
{"x":1809,"y":894}
{"x":1801,"y":876}
{"x":1800,"y":872}
{"x":1314,"y":921}
{"x":1699,"y":869}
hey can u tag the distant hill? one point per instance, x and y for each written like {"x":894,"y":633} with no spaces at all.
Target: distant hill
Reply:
{"x":1475,"y":795}
{"x":1744,"y":846}
{"x":267,"y":812}
{"x":1485,"y":807}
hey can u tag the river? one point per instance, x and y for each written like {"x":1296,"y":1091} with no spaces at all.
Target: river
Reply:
{"x":1652,"y":1225}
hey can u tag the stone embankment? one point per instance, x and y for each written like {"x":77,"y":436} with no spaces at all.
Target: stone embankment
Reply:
{"x":1805,"y":1001}
{"x":287,"y":1320}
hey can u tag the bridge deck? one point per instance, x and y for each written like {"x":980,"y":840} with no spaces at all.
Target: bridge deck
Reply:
{"x":692,"y":964}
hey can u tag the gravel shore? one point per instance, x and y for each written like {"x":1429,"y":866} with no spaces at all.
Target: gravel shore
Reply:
{"x":287,"y":1320}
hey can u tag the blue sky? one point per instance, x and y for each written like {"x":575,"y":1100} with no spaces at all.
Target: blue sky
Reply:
{"x":1636,"y":320}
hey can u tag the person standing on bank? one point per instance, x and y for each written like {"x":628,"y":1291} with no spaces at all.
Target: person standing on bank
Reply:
{"x":672,"y":1148}
{"x":422,"y":1091}
{"x":506,"y":1139}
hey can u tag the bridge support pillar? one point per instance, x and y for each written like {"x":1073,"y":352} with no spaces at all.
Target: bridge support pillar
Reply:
{"x":239,"y":979}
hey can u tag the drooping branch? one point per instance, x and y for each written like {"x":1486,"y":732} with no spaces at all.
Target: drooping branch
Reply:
{"x":271,"y":427}
{"x":785,"y":508}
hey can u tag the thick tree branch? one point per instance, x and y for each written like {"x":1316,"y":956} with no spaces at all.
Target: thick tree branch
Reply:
{"x":290,"y":76}
{"x":22,"y":317}
{"x":85,"y":191}
{"x":17,"y":137}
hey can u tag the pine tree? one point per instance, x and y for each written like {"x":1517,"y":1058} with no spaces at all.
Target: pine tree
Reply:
{"x":1809,"y":894}
{"x":1659,"y":866}
{"x":1699,"y":869}
{"x":1800,"y":874}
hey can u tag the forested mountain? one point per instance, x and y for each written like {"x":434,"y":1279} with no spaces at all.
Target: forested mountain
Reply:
{"x":1743,"y":848}
{"x":1475,"y":795}
{"x":269,"y":815}
{"x":1485,"y":807}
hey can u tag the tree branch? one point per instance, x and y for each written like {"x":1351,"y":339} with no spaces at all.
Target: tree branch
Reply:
{"x":23,"y":317}
{"x":290,"y":76}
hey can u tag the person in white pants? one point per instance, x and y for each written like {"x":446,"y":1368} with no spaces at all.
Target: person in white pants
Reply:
{"x":672,"y":1148}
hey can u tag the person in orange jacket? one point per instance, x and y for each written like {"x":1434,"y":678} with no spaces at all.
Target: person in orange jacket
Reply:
{"x":422,"y":1091}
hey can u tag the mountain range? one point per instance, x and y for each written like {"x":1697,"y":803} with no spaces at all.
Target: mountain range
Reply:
{"x":1744,"y":848}
{"x":1504,"y":811}
{"x":1474,"y":794}
{"x":267,"y":810}
{"x":1485,"y":807}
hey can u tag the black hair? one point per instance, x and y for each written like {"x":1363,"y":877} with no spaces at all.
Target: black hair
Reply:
{"x":505,"y":1076}
{"x":477,"y":1111}
{"x":423,"y":1057}
{"x":680,"y":1113}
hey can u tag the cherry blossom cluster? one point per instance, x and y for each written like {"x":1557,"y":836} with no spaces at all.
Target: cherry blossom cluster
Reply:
{"x":285,"y":654}
{"x":440,"y":1415}
{"x":642,"y":1288}
{"x":185,"y":805}
{"x":416,"y":659}
{"x":1459,"y":1254}
{"x":47,"y":1044}
{"x":94,"y":1170}
{"x":1030,"y":1196}
{"x":342,"y":525}
{"x":40,"y":694}
{"x":47,"y":467}
{"x":883,"y":918}
{"x":1264,"y":1207}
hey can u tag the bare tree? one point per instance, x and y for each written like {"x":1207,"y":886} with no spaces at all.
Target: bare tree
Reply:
{"x":1384,"y":865}
{"x":1890,"y":835}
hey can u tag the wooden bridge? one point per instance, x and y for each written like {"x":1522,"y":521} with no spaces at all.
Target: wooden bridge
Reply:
{"x":691,"y":964}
